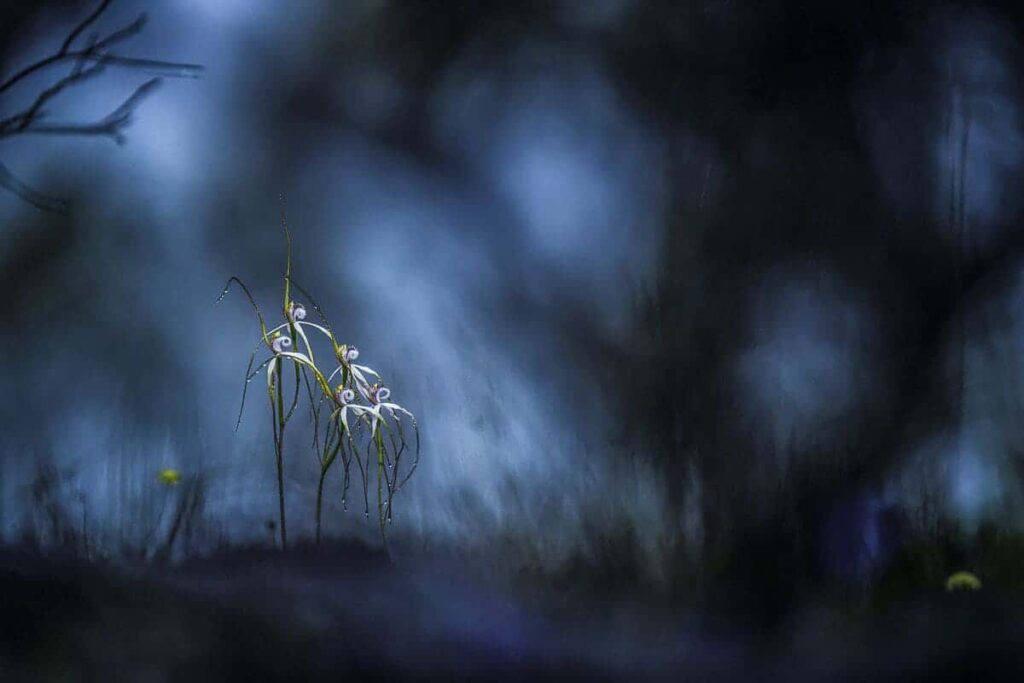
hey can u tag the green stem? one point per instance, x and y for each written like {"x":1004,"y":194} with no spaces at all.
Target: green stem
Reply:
{"x":380,"y":492}
{"x":325,"y":465}
{"x":279,"y":448}
{"x":319,"y":501}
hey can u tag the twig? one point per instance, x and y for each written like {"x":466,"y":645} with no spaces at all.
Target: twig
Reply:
{"x":19,"y":123}
{"x":12,"y":184}
{"x":89,"y":62}
{"x":112,"y":125}
{"x":95,"y":53}
{"x":77,"y":31}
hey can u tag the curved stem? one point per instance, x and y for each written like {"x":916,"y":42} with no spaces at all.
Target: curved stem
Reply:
{"x":325,"y":466}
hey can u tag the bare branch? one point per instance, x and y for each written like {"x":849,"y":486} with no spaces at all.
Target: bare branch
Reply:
{"x":37,"y":199}
{"x":128,"y":31}
{"x":88,"y":62}
{"x":81,"y":63}
{"x":77,"y":31}
{"x":20,"y":122}
{"x":172,"y":69}
{"x":112,"y":125}
{"x":94,"y":53}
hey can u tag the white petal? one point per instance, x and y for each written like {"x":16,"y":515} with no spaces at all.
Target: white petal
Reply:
{"x":270,"y":373}
{"x":323,"y":330}
{"x":366,"y":369}
{"x":305,"y":340}
{"x":280,"y":344}
{"x":395,"y":406}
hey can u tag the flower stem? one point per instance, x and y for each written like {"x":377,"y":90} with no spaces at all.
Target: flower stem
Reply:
{"x":378,"y":439}
{"x":279,"y":452}
{"x":319,"y":501}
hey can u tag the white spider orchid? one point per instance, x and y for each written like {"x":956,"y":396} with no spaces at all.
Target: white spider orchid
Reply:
{"x":362,"y":417}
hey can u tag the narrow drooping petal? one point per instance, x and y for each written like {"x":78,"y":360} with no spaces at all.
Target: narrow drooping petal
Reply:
{"x":319,"y":328}
{"x":305,"y":341}
{"x":358,"y":410}
{"x":363,"y":383}
{"x":334,"y":372}
{"x":394,"y":407}
{"x":366,"y":369}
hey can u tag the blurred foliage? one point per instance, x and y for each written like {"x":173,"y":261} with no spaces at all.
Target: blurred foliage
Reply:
{"x":165,"y":522}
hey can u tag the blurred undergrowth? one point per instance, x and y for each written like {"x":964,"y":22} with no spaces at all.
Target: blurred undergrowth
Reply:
{"x":161,"y":520}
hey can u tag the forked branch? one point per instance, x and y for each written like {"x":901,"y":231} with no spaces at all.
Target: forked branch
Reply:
{"x":87,"y":61}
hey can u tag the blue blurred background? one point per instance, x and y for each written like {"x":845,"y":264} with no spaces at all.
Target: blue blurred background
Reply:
{"x":713,"y":299}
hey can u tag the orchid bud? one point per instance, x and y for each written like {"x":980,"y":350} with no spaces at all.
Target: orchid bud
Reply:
{"x":351,"y":354}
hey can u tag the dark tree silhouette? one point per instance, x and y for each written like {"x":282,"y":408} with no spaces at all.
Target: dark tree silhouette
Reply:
{"x":88,"y":59}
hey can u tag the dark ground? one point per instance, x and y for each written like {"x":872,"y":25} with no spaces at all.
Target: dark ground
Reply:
{"x":258,"y":615}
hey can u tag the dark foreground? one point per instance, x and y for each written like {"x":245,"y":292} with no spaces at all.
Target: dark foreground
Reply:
{"x":257,"y":615}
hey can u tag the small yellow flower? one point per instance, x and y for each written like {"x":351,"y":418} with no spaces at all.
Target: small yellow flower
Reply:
{"x":169,"y":477}
{"x":963,"y":581}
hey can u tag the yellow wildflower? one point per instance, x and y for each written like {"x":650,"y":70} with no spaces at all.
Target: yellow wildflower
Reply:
{"x":169,"y":477}
{"x":963,"y":581}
